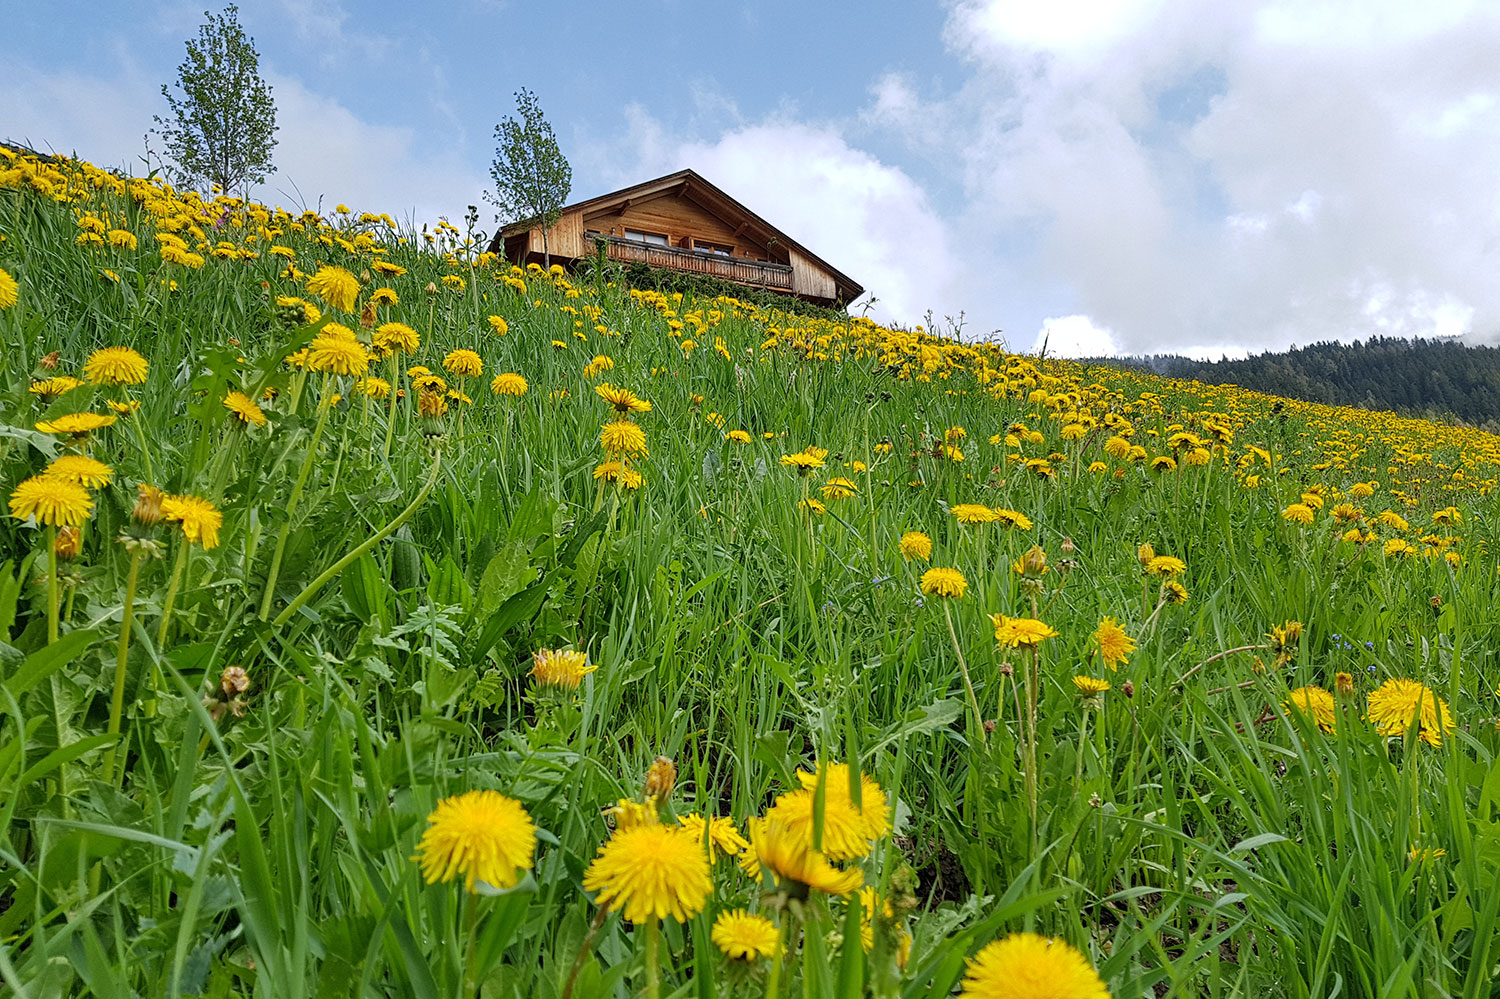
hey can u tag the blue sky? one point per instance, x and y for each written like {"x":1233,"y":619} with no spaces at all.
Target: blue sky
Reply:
{"x":1110,"y":175}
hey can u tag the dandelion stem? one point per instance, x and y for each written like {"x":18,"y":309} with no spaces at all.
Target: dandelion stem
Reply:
{"x":963,"y":669}
{"x":653,"y":959}
{"x":390,"y":416}
{"x":291,"y":505}
{"x":140,"y":434}
{"x":51,"y":583}
{"x":166,"y":610}
{"x":312,"y":588}
{"x":117,"y":698}
{"x":471,"y":922}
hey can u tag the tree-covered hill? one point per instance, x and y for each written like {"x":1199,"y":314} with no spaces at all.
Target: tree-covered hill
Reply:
{"x":1436,"y":378}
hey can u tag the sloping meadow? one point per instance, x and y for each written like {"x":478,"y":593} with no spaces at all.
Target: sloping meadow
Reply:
{"x":382,"y":618}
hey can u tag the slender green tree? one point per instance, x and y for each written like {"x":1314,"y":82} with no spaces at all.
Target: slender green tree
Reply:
{"x":532,"y":177}
{"x":221,"y":128}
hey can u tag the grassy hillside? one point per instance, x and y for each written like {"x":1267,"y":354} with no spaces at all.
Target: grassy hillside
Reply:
{"x":377,"y":695}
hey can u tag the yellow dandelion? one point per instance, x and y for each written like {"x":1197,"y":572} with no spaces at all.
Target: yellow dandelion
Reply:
{"x":944,"y":582}
{"x":244,"y":408}
{"x":336,"y":286}
{"x":718,"y":833}
{"x":508,"y":383}
{"x":1399,"y":703}
{"x":1019,"y":632}
{"x":338,"y":355}
{"x":115,"y":366}
{"x":564,"y":668}
{"x":915,"y":545}
{"x":51,"y":500}
{"x":481,"y":835}
{"x":622,"y":437}
{"x":1030,"y":966}
{"x":1114,"y":645}
{"x":744,"y":936}
{"x":464,"y":363}
{"x":396,"y":337}
{"x":623,"y":400}
{"x":1315,"y":704}
{"x":76,"y":424}
{"x":200,"y":520}
{"x":651,"y":872}
{"x":87,"y":472}
{"x":9,"y":290}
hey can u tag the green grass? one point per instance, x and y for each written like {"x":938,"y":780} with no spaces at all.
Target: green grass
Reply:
{"x":1193,"y":840}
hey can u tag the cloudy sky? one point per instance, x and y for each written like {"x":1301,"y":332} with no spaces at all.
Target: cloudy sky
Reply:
{"x":1117,"y":176}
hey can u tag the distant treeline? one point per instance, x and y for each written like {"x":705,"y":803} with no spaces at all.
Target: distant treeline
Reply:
{"x":1436,"y":379}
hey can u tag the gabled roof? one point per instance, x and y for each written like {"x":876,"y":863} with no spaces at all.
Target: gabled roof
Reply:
{"x":693,"y":186}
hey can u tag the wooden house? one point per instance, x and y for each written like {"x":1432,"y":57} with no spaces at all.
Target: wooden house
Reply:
{"x":682,"y":222}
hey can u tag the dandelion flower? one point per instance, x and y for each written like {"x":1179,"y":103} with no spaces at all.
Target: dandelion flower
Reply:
{"x":481,"y":835}
{"x":1012,"y":519}
{"x":1399,"y":703}
{"x":1315,"y":704}
{"x":1165,"y":565}
{"x":622,"y":437}
{"x":1030,"y":966}
{"x":8,"y":289}
{"x":916,"y":545}
{"x":564,"y":668}
{"x":508,"y":383}
{"x":396,"y":338}
{"x":51,"y":500}
{"x":1018,"y":632}
{"x":244,"y":408}
{"x":115,"y":366}
{"x":335,"y":286}
{"x":803,"y":461}
{"x":623,"y":400}
{"x":944,"y":582}
{"x":1298,"y":513}
{"x":973,"y":513}
{"x":200,"y":520}
{"x":786,"y":855}
{"x":50,"y":388}
{"x":338,"y":355}
{"x":743,"y":936}
{"x":1114,"y":645}
{"x":719,"y":833}
{"x":1089,"y":687}
{"x":499,"y":325}
{"x":738,"y":436}
{"x":1175,"y":592}
{"x":90,"y":473}
{"x":464,"y":363}
{"x":651,"y":872}
{"x":76,"y":424}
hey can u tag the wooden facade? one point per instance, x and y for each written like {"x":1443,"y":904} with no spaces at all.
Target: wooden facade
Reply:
{"x":684,"y":223}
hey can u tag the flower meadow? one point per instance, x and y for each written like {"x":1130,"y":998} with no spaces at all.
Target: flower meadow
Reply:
{"x":383,"y":619}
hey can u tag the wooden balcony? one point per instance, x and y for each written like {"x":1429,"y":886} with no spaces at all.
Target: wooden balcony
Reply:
{"x":756,"y":273}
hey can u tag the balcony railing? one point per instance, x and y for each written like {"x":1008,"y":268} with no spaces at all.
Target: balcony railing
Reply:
{"x":758,"y":273}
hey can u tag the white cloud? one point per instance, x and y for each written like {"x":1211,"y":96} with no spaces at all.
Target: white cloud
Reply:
{"x":325,"y":150}
{"x":1202,"y":173}
{"x":867,"y":218}
{"x":1074,"y":336}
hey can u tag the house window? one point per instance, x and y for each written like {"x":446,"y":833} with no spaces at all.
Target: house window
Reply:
{"x":719,"y":249}
{"x":659,"y":238}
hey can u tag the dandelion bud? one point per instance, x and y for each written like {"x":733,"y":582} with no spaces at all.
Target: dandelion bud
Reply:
{"x":147,"y":505}
{"x":1032,"y":563}
{"x":364,"y":276}
{"x":432,"y":288}
{"x":367,"y":315}
{"x":1006,"y":669}
{"x":1127,"y":688}
{"x":1068,"y":547}
{"x":989,"y":726}
{"x":234,"y":681}
{"x":1145,"y":553}
{"x":66,"y":545}
{"x":1344,"y":684}
{"x":50,"y":361}
{"x":1436,"y":603}
{"x":661,"y":777}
